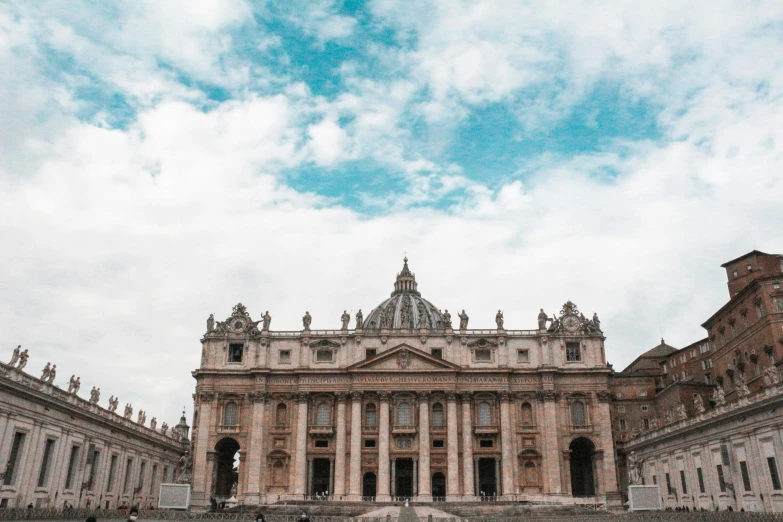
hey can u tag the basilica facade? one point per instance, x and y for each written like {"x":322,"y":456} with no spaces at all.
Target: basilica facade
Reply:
{"x":403,"y":405}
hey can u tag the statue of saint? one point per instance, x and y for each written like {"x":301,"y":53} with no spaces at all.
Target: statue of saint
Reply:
{"x":720,"y":396}
{"x":46,"y":371}
{"x":382,"y":319}
{"x":15,"y":356}
{"x":463,"y":320}
{"x":596,"y":322}
{"x":76,"y":385}
{"x":345,"y":318}
{"x":741,"y":385}
{"x":680,"y":411}
{"x":210,"y":323}
{"x":128,"y":411}
{"x":405,"y":320}
{"x":153,"y":423}
{"x":771,"y":376}
{"x":359,"y":318}
{"x":267,"y":319}
{"x":499,"y":319}
{"x":113,"y":403}
{"x":164,"y":428}
{"x":698,"y":403}
{"x":23,"y":359}
{"x":306,"y":320}
{"x":141,"y":417}
{"x":424,"y":318}
{"x":446,"y":319}
{"x":542,"y":319}
{"x":183,"y":472}
{"x":634,"y":469}
{"x":52,"y":374}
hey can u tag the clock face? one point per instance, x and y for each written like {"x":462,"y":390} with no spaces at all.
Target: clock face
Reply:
{"x":571,"y":322}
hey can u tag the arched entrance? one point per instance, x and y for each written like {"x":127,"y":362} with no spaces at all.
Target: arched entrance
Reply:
{"x":582,"y":451}
{"x":438,"y":485}
{"x":369,"y":482}
{"x":226,"y":466}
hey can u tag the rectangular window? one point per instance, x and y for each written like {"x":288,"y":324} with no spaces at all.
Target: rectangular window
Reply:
{"x":165,"y":473}
{"x":235,"y":353}
{"x":284,"y":356}
{"x":655,"y":480}
{"x":13,"y":460}
{"x":112,"y":473}
{"x":721,"y":479}
{"x":126,"y":484}
{"x":369,"y":443}
{"x":644,"y":407}
{"x":321,"y":443}
{"x":668,"y":484}
{"x":483,"y":355}
{"x":94,"y":457}
{"x":773,"y":473}
{"x":438,"y":443}
{"x":623,"y":425}
{"x":43,"y":475}
{"x":324,"y":355}
{"x":523,"y":356}
{"x":370,"y":353}
{"x":759,"y":310}
{"x":745,"y":475}
{"x":142,"y":469}
{"x":486,"y":443}
{"x":700,"y":476}
{"x":682,"y":481}
{"x":154,"y":478}
{"x":437,"y":353}
{"x":646,"y":423}
{"x":573,"y":351}
{"x":72,"y":462}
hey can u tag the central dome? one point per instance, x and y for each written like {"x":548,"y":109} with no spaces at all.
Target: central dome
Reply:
{"x":405,"y":308}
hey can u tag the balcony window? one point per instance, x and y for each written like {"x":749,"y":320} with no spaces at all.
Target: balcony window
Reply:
{"x":230,"y":414}
{"x":404,"y":414}
{"x":526,"y":415}
{"x":371,"y":416}
{"x":573,"y":351}
{"x":281,"y":415}
{"x":235,"y":353}
{"x":323,"y":415}
{"x":484,"y":414}
{"x":437,"y":414}
{"x":578,"y":413}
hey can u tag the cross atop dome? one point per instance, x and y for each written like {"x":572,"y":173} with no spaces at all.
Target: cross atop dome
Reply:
{"x":406,"y":281}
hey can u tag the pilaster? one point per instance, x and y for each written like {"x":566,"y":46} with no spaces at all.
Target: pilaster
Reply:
{"x":452,"y":444}
{"x":382,"y":494}
{"x":468,"y":482}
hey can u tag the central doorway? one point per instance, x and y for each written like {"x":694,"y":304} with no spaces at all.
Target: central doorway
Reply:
{"x":582,"y":476}
{"x":321,"y":475}
{"x":487,"y":482}
{"x":403,"y":472}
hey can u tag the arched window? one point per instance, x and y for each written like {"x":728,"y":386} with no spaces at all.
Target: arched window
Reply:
{"x":526,"y":416}
{"x":404,"y":414}
{"x":437,"y":414}
{"x":484,"y":414}
{"x":371,"y":415}
{"x":578,"y":413}
{"x":281,"y":415}
{"x":230,"y":414}
{"x":531,"y":476}
{"x":323,"y":415}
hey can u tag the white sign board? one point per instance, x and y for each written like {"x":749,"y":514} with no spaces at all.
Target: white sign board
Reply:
{"x":174,"y":496}
{"x":644,"y":498}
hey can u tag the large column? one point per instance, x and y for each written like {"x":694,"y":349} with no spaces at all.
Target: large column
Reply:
{"x":551,"y":450}
{"x":253,"y":494}
{"x":339,"y":448}
{"x":202,"y":473}
{"x":356,"y":445}
{"x":382,"y":494}
{"x":613,"y":498}
{"x":468,"y":483}
{"x":424,"y":489}
{"x":506,"y":444}
{"x":300,"y":461}
{"x":452,"y":446}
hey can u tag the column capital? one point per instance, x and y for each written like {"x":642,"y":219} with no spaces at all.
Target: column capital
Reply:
{"x":356,"y":395}
{"x":504,"y":396}
{"x":466,"y":396}
{"x":302,"y":397}
{"x":451,"y":396}
{"x":546,"y":395}
{"x":342,"y":396}
{"x":259,"y":396}
{"x":423,"y":395}
{"x":384,"y":396}
{"x":604,"y":396}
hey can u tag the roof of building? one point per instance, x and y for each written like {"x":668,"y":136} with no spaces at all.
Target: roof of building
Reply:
{"x":751,"y":253}
{"x":658,"y":352}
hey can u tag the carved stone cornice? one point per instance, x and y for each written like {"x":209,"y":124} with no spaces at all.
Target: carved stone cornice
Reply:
{"x":547,"y":395}
{"x":302,"y":397}
{"x":342,"y":396}
{"x":356,"y":395}
{"x":451,"y":396}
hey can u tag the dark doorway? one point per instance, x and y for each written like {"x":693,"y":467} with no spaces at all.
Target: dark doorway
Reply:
{"x":488,"y":482}
{"x":227,"y":466}
{"x":582,"y":476}
{"x":438,"y":485}
{"x":403,"y":472}
{"x":321,"y":474}
{"x":369,"y":483}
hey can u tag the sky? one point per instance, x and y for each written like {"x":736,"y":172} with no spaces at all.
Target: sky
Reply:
{"x":161,"y":161}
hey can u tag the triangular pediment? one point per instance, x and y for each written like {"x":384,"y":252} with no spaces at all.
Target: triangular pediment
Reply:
{"x":403,"y":358}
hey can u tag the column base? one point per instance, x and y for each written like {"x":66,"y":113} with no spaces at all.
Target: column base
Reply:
{"x":424,"y":498}
{"x":383,"y":498}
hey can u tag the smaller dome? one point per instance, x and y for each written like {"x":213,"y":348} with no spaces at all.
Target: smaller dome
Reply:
{"x":405,"y":308}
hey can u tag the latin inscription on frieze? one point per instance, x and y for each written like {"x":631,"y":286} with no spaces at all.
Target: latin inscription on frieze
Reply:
{"x":402,"y":379}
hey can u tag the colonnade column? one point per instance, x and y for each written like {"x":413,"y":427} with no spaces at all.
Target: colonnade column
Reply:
{"x":425,"y":488}
{"x":506,"y":444}
{"x":551,"y":449}
{"x":609,"y":485}
{"x":255,"y":464}
{"x":356,"y":445}
{"x":468,"y":484}
{"x":452,"y":445}
{"x":300,"y":461}
{"x":383,"y":450}
{"x":339,"y":447}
